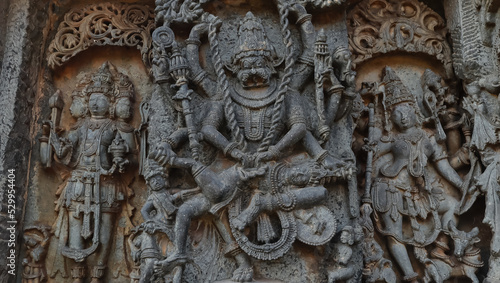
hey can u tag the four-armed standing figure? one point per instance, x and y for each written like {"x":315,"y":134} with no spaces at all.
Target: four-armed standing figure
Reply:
{"x":404,"y":189}
{"x":96,"y":154}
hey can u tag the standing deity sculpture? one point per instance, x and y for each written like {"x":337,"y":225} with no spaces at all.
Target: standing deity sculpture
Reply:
{"x":407,"y":192}
{"x":97,"y":150}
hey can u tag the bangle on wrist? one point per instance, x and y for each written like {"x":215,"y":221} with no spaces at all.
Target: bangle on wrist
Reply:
{"x":304,"y":18}
{"x":170,"y":142}
{"x":321,"y":156}
{"x":274,"y":151}
{"x":199,"y":77}
{"x":193,"y":41}
{"x":229,"y":148}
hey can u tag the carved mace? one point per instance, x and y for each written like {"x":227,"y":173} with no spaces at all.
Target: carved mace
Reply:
{"x":179,"y":71}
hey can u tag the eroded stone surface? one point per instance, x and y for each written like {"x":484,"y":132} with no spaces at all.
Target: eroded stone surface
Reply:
{"x":280,"y":141}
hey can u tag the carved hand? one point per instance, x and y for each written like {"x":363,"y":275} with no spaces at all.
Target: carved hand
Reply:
{"x":332,"y":163}
{"x":241,"y":157}
{"x":298,"y":10}
{"x":162,"y":153}
{"x":271,"y":154}
{"x":370,"y":89}
{"x":64,"y":147}
{"x":208,"y":18}
{"x":370,"y":146}
{"x":198,"y":30}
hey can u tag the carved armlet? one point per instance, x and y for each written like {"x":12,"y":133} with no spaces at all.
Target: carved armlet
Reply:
{"x":441,"y":156}
{"x":198,"y":77}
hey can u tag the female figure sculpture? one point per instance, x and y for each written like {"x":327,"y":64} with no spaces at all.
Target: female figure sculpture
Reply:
{"x":405,"y":193}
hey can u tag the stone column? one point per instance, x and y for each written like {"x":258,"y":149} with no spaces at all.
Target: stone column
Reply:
{"x":21,"y":27}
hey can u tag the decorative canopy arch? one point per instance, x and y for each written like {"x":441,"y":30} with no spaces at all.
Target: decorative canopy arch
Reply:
{"x":102,"y":24}
{"x":381,"y":26}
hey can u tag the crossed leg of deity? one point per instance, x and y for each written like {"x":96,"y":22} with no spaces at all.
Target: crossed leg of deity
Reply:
{"x":215,"y":188}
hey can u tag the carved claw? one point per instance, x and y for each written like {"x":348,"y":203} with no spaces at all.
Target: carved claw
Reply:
{"x":162,"y":153}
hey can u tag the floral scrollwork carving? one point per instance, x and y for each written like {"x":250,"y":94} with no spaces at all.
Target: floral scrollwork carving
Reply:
{"x":102,"y":24}
{"x":383,"y":26}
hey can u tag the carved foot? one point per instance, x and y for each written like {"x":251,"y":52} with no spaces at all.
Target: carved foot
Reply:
{"x":243,"y":274}
{"x":167,"y":265}
{"x":248,"y":215}
{"x":97,"y":273}
{"x":78,"y":274}
{"x":412,"y":278}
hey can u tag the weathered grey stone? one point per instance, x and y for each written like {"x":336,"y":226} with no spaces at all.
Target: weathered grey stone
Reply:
{"x":274,"y":141}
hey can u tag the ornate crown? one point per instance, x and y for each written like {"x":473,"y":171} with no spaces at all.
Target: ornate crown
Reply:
{"x":125,"y":88}
{"x":395,"y":91}
{"x":102,"y":82}
{"x":80,"y":87}
{"x":252,"y":39}
{"x":153,"y":169}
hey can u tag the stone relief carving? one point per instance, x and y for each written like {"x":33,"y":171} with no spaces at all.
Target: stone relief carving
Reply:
{"x":250,"y":173}
{"x":102,"y":24}
{"x":483,"y":108}
{"x":96,"y":151}
{"x":270,"y":202}
{"x":379,"y":27}
{"x":36,"y":239}
{"x":405,"y":192}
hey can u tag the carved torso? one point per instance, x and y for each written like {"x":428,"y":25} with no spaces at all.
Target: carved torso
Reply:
{"x":95,"y":136}
{"x":255,"y":118}
{"x":410,"y":151}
